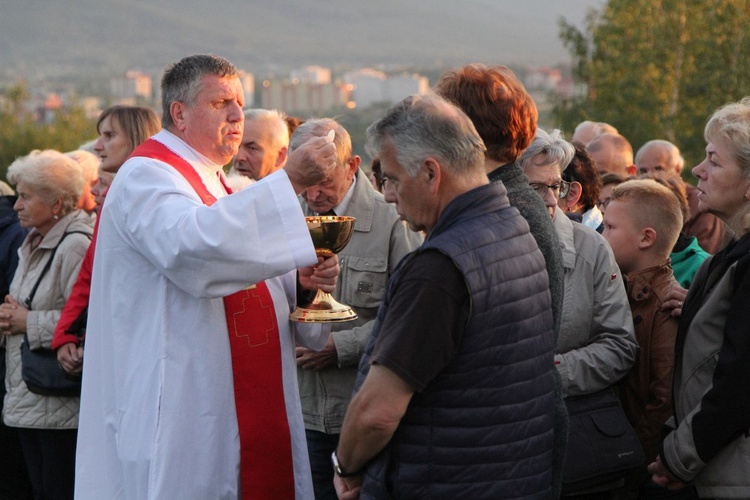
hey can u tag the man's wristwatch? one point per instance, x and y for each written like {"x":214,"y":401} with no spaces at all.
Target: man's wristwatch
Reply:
{"x":339,"y":470}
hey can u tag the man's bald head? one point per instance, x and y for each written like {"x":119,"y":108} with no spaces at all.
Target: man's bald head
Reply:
{"x":612,"y":153}
{"x":587,"y":131}
{"x":659,"y":156}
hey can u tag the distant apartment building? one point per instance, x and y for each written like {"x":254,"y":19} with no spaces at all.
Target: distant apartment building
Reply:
{"x":570,"y":88}
{"x":370,"y":86}
{"x":42,"y":105}
{"x":302,"y":97}
{"x":130,"y":87}
{"x":248,"y":86}
{"x":92,"y":106}
{"x":46,"y":106}
{"x":311,"y":74}
{"x":547,"y":85}
{"x":543,"y":78}
{"x":397,"y":87}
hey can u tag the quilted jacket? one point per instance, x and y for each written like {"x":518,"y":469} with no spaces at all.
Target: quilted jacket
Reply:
{"x":483,"y":427}
{"x":23,"y":408}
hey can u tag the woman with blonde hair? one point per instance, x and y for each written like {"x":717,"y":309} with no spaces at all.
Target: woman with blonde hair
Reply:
{"x":49,"y":185}
{"x":710,"y":444}
{"x":121,"y":129}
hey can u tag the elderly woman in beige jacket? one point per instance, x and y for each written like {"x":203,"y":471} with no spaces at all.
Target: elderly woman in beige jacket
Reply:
{"x":49,"y":185}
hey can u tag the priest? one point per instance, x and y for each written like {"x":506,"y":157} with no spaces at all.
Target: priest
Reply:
{"x":189,"y":388}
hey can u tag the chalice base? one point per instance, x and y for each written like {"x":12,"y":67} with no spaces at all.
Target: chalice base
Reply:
{"x":323,"y":309}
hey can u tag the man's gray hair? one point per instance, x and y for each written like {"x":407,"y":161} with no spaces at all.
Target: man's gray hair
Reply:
{"x":272,"y":118}
{"x":182,"y":80}
{"x":673,"y":150}
{"x":319,"y":128}
{"x":258,"y":113}
{"x":426,"y":125}
{"x":550,"y":148}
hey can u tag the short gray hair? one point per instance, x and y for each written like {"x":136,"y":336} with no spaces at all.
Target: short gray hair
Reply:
{"x":51,"y":175}
{"x":552,"y":147}
{"x":258,"y":113}
{"x":182,"y":80}
{"x":274,"y":119}
{"x":319,"y":128}
{"x":427,"y":125}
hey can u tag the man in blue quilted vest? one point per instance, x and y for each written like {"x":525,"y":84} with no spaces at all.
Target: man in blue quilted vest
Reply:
{"x":455,"y":392}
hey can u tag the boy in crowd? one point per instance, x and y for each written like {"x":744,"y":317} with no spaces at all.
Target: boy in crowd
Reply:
{"x":641,"y":224}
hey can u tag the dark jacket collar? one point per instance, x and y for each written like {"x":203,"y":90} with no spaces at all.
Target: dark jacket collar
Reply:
{"x":506,"y":172}
{"x":478,"y":201}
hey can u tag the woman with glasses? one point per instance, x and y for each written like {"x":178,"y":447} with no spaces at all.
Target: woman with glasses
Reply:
{"x":596,"y":346}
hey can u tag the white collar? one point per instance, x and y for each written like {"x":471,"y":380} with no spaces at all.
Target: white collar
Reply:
{"x":209,"y":171}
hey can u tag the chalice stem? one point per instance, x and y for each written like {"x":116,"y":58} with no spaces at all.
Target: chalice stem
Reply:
{"x":329,"y":234}
{"x":324,"y":301}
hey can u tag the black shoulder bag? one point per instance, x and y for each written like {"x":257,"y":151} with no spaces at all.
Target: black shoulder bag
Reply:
{"x":39,"y":367}
{"x":602,"y":445}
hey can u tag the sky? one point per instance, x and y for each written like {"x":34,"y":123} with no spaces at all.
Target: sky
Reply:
{"x":106,"y":36}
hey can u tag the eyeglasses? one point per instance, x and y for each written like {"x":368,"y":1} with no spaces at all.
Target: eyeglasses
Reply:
{"x":559,"y":190}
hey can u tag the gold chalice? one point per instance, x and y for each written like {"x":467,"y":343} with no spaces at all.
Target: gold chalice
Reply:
{"x":330,"y":234}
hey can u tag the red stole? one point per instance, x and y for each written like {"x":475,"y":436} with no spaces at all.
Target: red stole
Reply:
{"x":266,"y":465}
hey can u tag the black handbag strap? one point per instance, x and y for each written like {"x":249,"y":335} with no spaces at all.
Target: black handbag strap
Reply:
{"x":47,"y":266}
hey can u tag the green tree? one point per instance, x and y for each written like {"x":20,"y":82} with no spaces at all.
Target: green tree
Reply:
{"x":21,"y":132}
{"x":658,"y":68}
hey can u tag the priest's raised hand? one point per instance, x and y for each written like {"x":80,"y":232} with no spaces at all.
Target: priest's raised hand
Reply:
{"x":310,"y":163}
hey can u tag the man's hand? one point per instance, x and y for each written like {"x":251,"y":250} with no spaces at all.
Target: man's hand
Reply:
{"x":12,"y":317}
{"x":674,"y":300}
{"x":307,"y":359}
{"x":372,"y":417}
{"x":70,"y":357}
{"x":662,"y":477}
{"x":321,"y":277}
{"x":311,"y":162}
{"x":347,"y":488}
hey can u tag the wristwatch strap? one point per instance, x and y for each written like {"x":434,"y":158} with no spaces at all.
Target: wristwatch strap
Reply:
{"x":340,"y":471}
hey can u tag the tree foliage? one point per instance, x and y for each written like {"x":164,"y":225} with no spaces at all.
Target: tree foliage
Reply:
{"x":658,"y":68}
{"x":21,"y":131}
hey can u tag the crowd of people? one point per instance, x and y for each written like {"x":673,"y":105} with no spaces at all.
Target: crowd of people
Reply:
{"x":502,"y":276}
